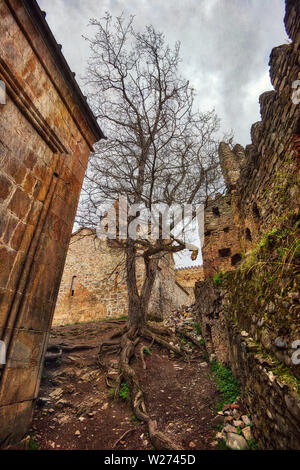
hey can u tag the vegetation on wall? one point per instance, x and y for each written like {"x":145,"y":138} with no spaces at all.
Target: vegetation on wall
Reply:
{"x":227,"y":384}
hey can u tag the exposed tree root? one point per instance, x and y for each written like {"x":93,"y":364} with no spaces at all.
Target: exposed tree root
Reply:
{"x":142,"y":357}
{"x":123,"y":435}
{"x":127,"y":344}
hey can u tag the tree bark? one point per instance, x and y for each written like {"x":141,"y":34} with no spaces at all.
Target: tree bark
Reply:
{"x":136,"y":313}
{"x":138,"y":303}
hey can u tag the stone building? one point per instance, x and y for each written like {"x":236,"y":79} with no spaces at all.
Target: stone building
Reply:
{"x":93,"y":285}
{"x":47,"y":131}
{"x":188,"y":276}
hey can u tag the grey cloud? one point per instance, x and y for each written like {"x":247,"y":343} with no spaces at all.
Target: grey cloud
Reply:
{"x":225,"y":45}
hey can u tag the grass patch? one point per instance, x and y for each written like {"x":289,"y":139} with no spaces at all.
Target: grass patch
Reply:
{"x":253,"y":445}
{"x":227,"y":384}
{"x":217,"y":279}
{"x":222,"y":445}
{"x":147,"y":350}
{"x":197,"y":328}
{"x":32,"y":444}
{"x":134,"y":419}
{"x":124,"y":391}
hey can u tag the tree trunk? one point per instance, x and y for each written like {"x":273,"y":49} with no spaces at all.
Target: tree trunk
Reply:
{"x":136,"y":313}
{"x":138,"y":303}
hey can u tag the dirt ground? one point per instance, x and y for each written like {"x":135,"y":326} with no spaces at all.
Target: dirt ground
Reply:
{"x":75,"y":409}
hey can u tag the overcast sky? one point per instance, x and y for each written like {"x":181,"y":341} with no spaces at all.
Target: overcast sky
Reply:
{"x":225,"y":46}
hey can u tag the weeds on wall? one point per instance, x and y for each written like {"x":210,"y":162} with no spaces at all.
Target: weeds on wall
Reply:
{"x":227,"y":384}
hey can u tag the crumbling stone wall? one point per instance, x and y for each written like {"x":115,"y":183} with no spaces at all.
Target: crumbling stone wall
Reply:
{"x":256,"y":304}
{"x":221,"y":249}
{"x":46,"y":134}
{"x":93,"y":285}
{"x":210,"y":313}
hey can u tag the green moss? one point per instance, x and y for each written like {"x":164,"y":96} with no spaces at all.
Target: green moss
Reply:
{"x":33,"y":444}
{"x":217,"y":279}
{"x":222,"y":445}
{"x":197,"y":327}
{"x":253,"y":445}
{"x":286,"y":377}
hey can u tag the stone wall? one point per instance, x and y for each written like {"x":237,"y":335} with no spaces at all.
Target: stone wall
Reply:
{"x":187,"y":278}
{"x":46,"y":134}
{"x":250,"y":321}
{"x":210,"y":312}
{"x":221,"y":249}
{"x":250,"y":312}
{"x":93,"y":285}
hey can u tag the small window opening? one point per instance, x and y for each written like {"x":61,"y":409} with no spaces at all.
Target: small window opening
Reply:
{"x":73,"y":285}
{"x":226,"y":229}
{"x":216,"y":211}
{"x":235,"y":259}
{"x":255,"y":211}
{"x":248,"y":235}
{"x":225,"y":252}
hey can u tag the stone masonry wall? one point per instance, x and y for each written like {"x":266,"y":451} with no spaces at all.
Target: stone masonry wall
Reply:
{"x":221,"y":250}
{"x":96,"y":270}
{"x":187,"y":277}
{"x":46,"y":134}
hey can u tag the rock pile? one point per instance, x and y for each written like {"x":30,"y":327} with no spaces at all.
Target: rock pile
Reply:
{"x":184,"y":317}
{"x":236,"y":427}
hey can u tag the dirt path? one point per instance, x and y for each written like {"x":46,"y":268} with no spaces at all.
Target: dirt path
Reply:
{"x":75,"y":409}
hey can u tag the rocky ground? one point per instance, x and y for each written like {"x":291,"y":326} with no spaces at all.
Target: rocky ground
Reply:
{"x":76,"y":410}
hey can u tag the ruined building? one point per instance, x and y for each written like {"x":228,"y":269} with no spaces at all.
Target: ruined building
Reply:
{"x":46,"y":134}
{"x":249,"y":312}
{"x":93,"y":285}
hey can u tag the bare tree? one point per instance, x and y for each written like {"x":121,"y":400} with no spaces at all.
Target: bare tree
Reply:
{"x":159,"y":150}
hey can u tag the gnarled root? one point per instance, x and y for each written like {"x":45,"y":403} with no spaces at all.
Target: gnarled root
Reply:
{"x":158,"y":439}
{"x":129,"y":339}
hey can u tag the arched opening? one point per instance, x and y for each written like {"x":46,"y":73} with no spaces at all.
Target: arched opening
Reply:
{"x":248,"y":235}
{"x":235,"y":259}
{"x":226,"y":229}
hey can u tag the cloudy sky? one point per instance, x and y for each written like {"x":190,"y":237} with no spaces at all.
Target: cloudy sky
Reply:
{"x":225,"y":46}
